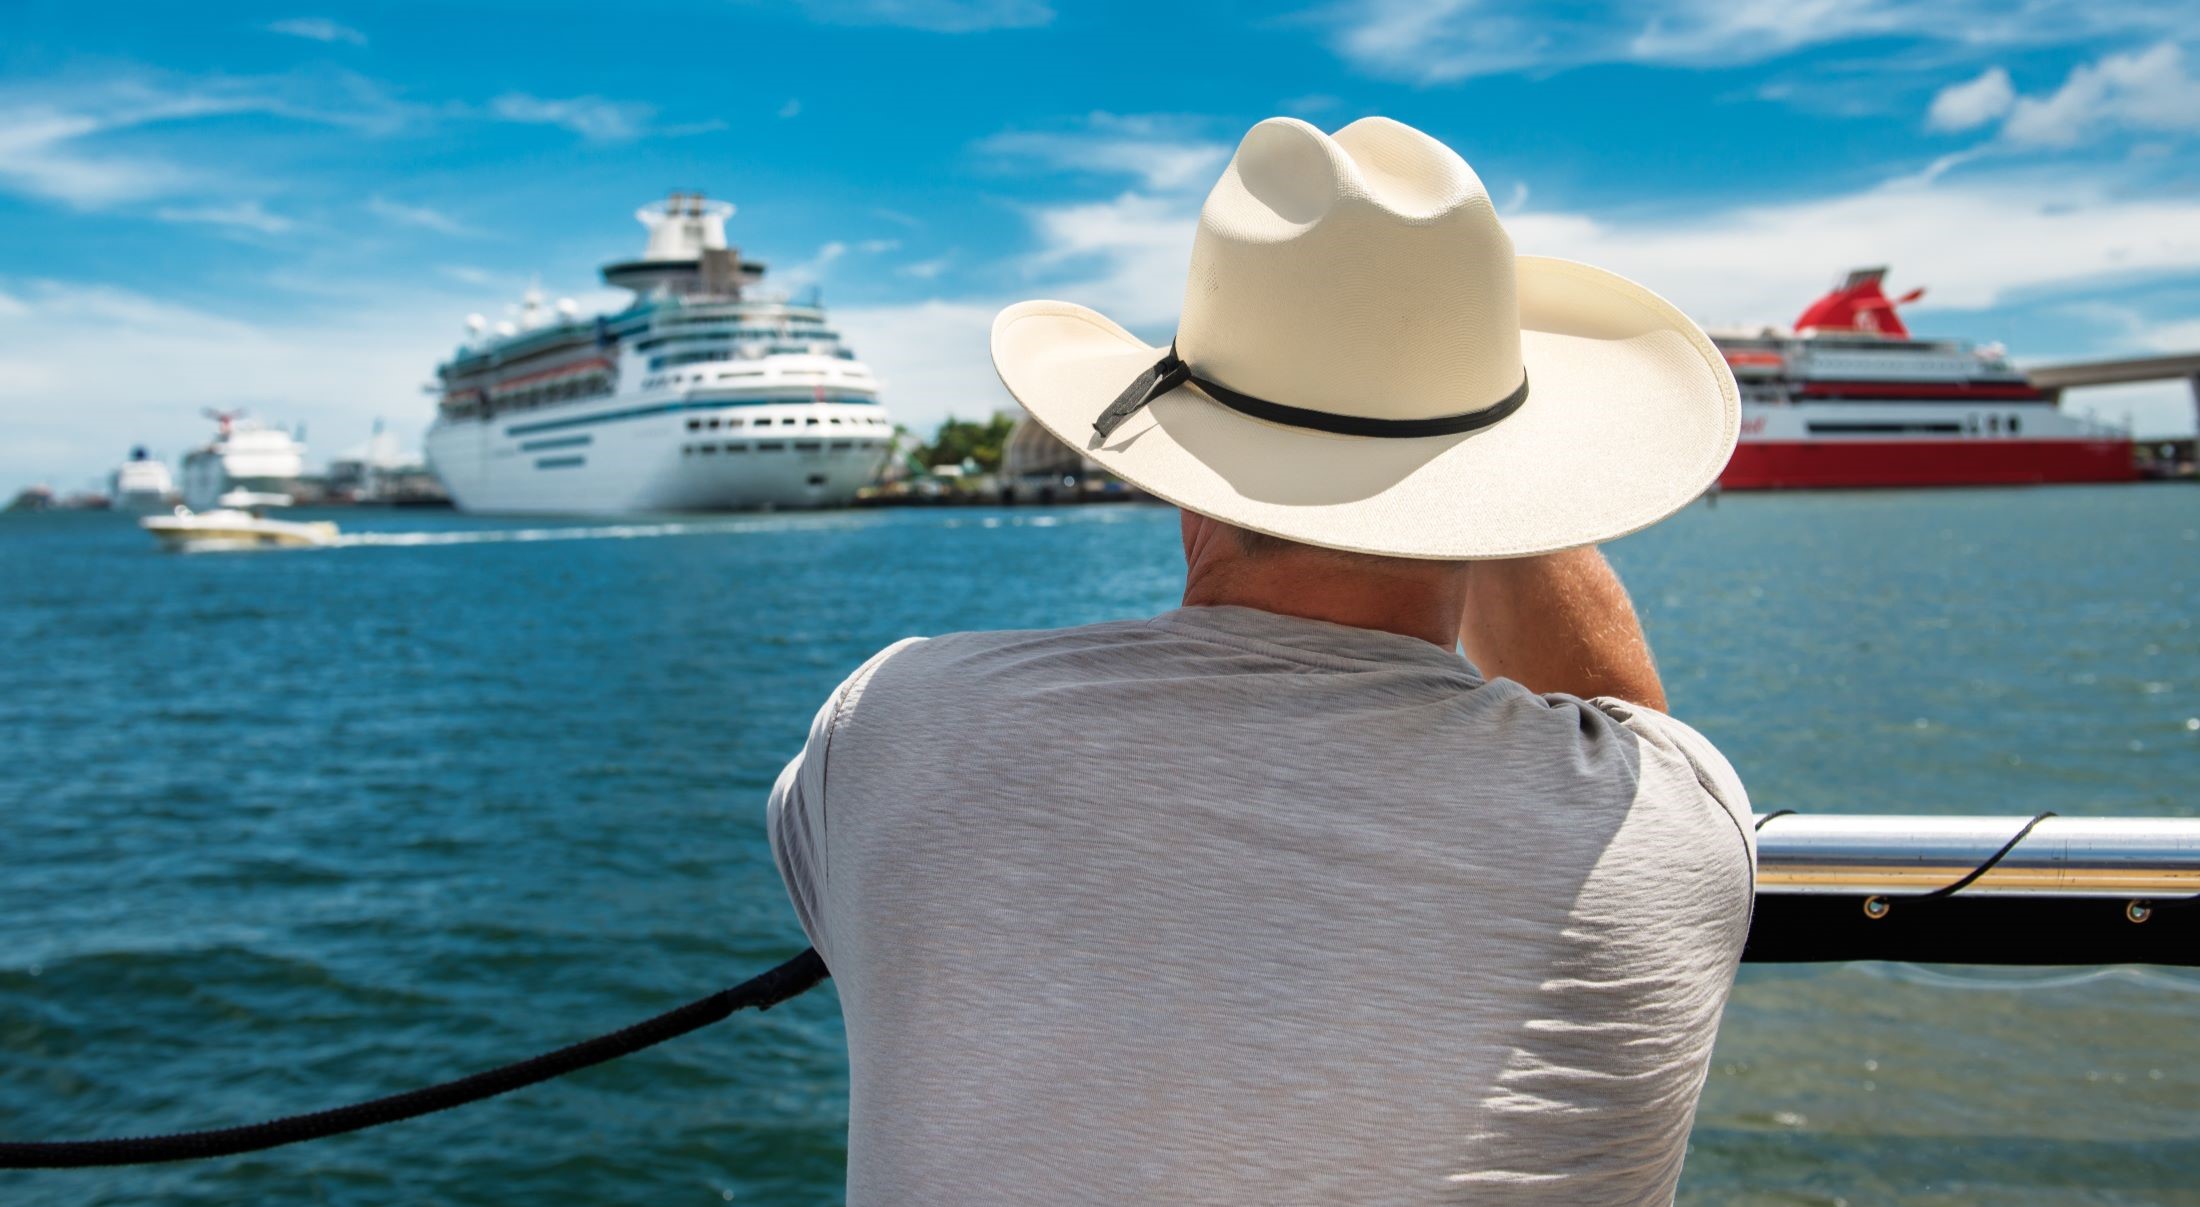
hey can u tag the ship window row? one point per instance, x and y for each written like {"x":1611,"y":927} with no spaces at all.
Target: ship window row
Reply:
{"x":1994,"y":425}
{"x":553,"y":392}
{"x":673,"y":379}
{"x":773,"y":446}
{"x":593,"y":386}
{"x":723,"y":333}
{"x":719,"y":318}
{"x":713,"y":424}
{"x":675,"y":360}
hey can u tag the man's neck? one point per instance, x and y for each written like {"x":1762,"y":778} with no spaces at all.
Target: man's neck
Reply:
{"x":1323,"y":591}
{"x":1420,"y":599}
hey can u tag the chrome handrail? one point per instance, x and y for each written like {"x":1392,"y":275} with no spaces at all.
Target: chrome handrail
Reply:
{"x":1823,"y":854}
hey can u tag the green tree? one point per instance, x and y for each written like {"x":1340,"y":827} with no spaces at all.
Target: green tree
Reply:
{"x":958,"y":440}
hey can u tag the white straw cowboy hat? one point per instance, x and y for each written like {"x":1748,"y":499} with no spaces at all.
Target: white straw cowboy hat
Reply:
{"x":1362,"y":363}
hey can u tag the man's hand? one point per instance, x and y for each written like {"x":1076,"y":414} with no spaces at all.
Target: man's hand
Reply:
{"x":1558,"y":623}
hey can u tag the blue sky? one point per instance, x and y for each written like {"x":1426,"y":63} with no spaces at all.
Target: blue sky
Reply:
{"x":293,"y":209}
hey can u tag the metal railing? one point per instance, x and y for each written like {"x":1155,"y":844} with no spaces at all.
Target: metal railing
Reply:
{"x":2042,"y":891}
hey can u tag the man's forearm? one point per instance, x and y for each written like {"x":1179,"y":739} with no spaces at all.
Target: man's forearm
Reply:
{"x":1559,"y":623}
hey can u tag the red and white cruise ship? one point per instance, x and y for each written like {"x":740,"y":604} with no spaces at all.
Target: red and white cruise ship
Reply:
{"x":1850,"y":398}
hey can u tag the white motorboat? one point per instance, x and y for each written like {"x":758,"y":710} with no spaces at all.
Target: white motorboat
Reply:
{"x":239,"y":524}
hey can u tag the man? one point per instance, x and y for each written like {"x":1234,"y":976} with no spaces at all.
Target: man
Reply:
{"x":1275,"y":898}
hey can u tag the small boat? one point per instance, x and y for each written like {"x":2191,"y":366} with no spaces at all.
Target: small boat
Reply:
{"x":239,"y":523}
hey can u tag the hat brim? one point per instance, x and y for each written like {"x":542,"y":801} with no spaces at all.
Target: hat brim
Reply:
{"x":1631,"y":414}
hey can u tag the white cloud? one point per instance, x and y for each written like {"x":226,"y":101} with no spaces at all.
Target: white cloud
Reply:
{"x":243,"y":215}
{"x":591,"y":117}
{"x":1438,"y":41}
{"x":420,"y":216}
{"x":318,"y":29}
{"x":793,"y":108}
{"x":812,"y":271}
{"x":2180,"y":335}
{"x":50,"y":131}
{"x":937,"y":16}
{"x":933,"y":358}
{"x":1126,"y":256}
{"x":1977,"y":242}
{"x":335,"y":370}
{"x":2136,"y":332}
{"x":41,"y":155}
{"x":1160,"y":151}
{"x":2147,"y":91}
{"x":1973,"y":103}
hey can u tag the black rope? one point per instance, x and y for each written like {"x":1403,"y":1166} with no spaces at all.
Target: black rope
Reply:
{"x":794,"y":977}
{"x":1988,"y":866}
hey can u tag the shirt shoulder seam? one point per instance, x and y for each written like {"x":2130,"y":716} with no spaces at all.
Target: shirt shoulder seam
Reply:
{"x":845,"y":698}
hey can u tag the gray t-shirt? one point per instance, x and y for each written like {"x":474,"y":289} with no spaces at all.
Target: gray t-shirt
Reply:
{"x":1236,"y":908}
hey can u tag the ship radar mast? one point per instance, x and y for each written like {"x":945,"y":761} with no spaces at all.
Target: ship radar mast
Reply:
{"x":687,"y":253}
{"x":1858,"y":306}
{"x":683,"y":226}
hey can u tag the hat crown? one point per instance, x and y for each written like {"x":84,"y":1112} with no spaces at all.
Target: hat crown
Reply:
{"x":1361,"y":274}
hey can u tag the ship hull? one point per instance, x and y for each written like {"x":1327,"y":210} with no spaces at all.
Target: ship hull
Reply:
{"x":1831,"y":464}
{"x":650,"y":464}
{"x":143,"y":502}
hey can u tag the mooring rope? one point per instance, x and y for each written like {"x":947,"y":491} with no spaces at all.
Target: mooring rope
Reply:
{"x":790,"y":979}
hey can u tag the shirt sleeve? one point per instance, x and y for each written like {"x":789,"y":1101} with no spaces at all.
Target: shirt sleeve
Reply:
{"x":1676,"y":739}
{"x":796,"y":817}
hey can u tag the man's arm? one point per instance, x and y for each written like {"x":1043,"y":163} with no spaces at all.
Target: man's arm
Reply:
{"x":1558,"y":623}
{"x":796,"y":817}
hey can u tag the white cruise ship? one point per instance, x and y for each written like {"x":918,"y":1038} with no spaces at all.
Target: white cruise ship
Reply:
{"x":244,"y":455}
{"x":141,"y":485}
{"x":704,"y":394}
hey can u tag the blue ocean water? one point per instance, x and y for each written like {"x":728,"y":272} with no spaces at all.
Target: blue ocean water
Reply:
{"x":288,"y":830}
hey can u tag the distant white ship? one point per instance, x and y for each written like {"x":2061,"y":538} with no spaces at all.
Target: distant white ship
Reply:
{"x":704,"y":394}
{"x":244,"y":455}
{"x":141,"y":485}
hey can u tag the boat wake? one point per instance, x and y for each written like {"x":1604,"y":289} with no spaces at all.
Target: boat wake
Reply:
{"x":606,"y":532}
{"x":2004,"y":980}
